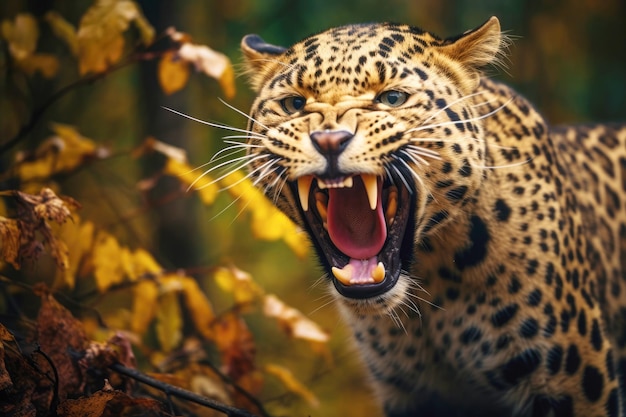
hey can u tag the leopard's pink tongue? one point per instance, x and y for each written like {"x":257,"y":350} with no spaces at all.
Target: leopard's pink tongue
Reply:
{"x":354,"y":228}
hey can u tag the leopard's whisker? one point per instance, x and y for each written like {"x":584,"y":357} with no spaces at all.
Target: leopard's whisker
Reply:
{"x":447,"y":106}
{"x":223,"y":154}
{"x":454,"y":122}
{"x":400,"y":176}
{"x":236,"y":161}
{"x":233,"y":167}
{"x":244,"y":114}
{"x":415,"y":158}
{"x":245,"y":177}
{"x":517,"y":164}
{"x":222,"y":211}
{"x":204,"y":122}
{"x":424,"y":151}
{"x":250,"y":136}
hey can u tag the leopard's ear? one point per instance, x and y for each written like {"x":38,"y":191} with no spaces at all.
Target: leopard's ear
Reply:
{"x":260,"y":58}
{"x":476,"y":48}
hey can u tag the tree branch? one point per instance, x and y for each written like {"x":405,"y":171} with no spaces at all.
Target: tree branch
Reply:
{"x":172,"y":390}
{"x":39,"y":111}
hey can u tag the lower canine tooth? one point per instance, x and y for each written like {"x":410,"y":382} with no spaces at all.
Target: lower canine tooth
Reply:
{"x":378,"y":273}
{"x":304,"y":187}
{"x":343,"y":275}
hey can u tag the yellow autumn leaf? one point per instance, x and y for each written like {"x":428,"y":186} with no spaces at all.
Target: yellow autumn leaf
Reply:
{"x":169,"y":321}
{"x":239,"y":283}
{"x":100,"y":33}
{"x":267,"y":223}
{"x":46,"y":64}
{"x":63,"y":152}
{"x":290,"y":382}
{"x":212,"y":63}
{"x":139,"y":263}
{"x":10,"y":237}
{"x":145,"y":303}
{"x":151,"y":144}
{"x":172,"y":73}
{"x":21,"y":35}
{"x":295,"y":324}
{"x":106,"y":258}
{"x":203,"y":184}
{"x":79,"y":238}
{"x":199,"y":307}
{"x":63,"y":30}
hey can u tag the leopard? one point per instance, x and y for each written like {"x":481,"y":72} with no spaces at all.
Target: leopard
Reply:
{"x":476,"y":253}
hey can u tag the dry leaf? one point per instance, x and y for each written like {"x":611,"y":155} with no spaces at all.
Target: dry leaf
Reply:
{"x":212,"y":63}
{"x":235,"y":344}
{"x":46,"y":64}
{"x":10,"y":244}
{"x":110,"y":404}
{"x":292,"y":384}
{"x":21,"y":35}
{"x":24,"y":233}
{"x":62,"y":29}
{"x":150,"y":144}
{"x":100,"y":33}
{"x":293,"y":321}
{"x":172,"y":72}
{"x":239,"y":283}
{"x":59,"y":334}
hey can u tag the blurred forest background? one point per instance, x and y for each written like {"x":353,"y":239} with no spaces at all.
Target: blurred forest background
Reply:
{"x":568,"y":57}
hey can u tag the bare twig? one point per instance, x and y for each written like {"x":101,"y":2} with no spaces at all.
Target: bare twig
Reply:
{"x":174,"y":391}
{"x":39,"y":111}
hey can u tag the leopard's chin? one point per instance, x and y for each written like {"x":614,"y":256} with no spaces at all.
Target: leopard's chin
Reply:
{"x":362,"y":229}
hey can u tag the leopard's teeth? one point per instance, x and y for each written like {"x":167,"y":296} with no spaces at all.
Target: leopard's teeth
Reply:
{"x":371,"y":187}
{"x":346,"y":182}
{"x":304,"y":188}
{"x":378,"y":273}
{"x":344,"y":275}
{"x":392,"y":206}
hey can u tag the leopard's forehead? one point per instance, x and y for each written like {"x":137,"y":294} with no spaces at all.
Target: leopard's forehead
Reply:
{"x":353,"y":58}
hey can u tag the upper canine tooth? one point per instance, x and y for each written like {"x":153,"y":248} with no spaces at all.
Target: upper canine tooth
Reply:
{"x":304,"y":187}
{"x":371,"y":187}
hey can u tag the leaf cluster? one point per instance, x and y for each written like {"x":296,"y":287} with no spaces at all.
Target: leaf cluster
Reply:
{"x":65,"y":362}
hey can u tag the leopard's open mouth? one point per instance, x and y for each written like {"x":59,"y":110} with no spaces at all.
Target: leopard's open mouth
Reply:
{"x":359,"y":227}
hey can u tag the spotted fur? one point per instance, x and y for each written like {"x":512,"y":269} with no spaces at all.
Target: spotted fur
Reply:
{"x":505,"y":259}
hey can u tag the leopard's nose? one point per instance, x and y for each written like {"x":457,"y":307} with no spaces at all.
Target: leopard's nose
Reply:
{"x":331,"y":143}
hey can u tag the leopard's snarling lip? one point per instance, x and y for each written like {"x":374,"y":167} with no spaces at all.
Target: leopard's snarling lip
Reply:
{"x":359,"y":227}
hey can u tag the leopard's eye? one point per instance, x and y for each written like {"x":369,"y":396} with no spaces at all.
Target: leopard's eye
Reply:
{"x":392,"y":98}
{"x":292,"y":104}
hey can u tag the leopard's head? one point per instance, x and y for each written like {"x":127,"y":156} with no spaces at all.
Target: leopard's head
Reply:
{"x":354,"y":133}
